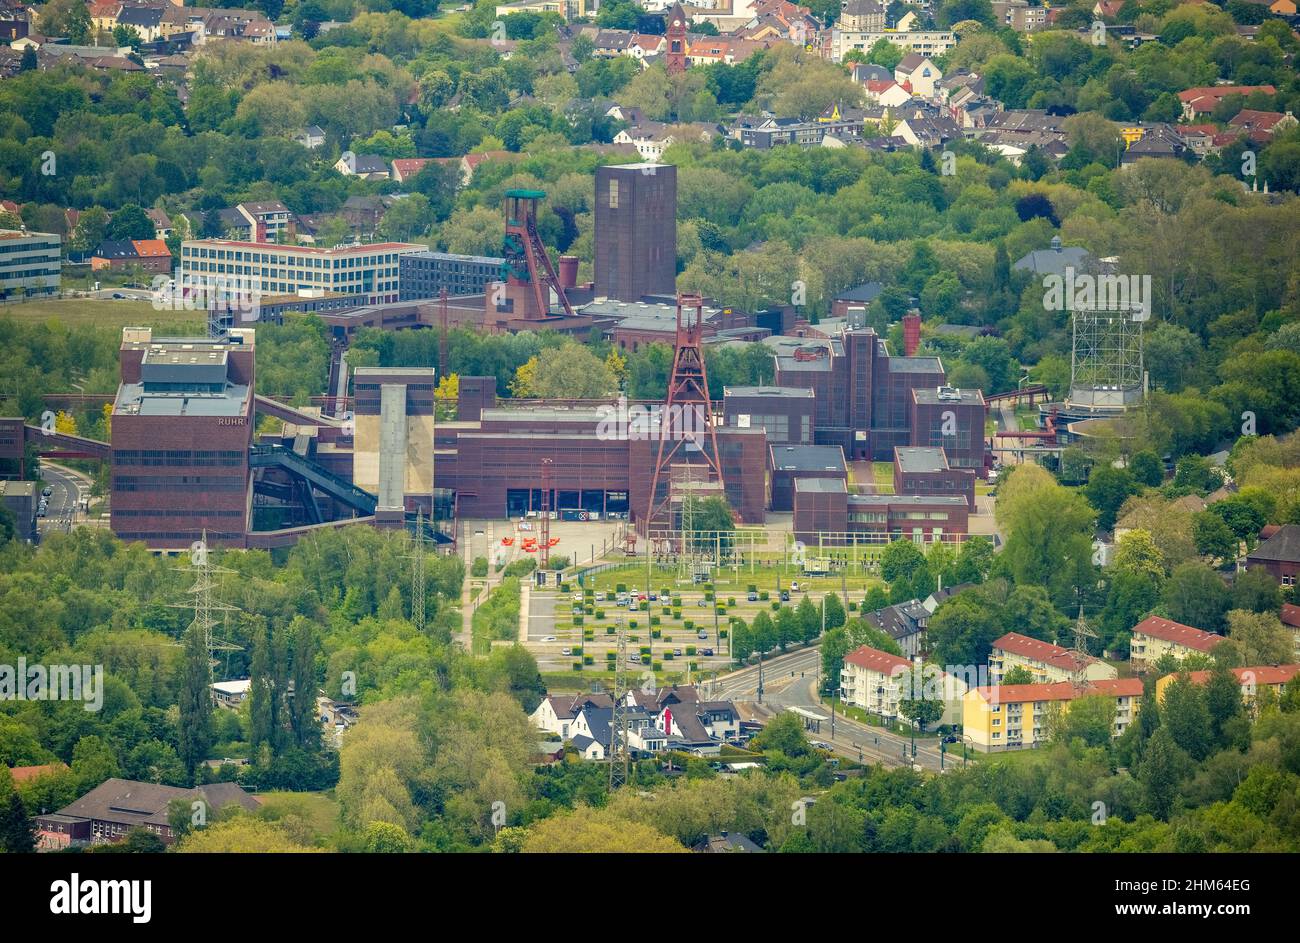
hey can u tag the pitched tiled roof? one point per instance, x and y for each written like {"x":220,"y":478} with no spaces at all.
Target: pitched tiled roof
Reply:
{"x":872,"y":659}
{"x":1258,"y":674}
{"x":1044,"y":652}
{"x":1282,"y":547}
{"x":1177,"y":633}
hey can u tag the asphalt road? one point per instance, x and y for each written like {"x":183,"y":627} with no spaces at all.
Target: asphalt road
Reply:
{"x":65,"y":490}
{"x":790,"y":681}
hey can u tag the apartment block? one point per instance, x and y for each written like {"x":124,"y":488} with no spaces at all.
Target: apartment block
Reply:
{"x":1014,"y":716}
{"x":30,"y":263}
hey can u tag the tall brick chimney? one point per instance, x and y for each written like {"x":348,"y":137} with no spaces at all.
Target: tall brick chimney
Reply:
{"x":911,"y":332}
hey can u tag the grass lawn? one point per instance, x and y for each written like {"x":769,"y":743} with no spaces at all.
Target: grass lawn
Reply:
{"x":884,"y":475}
{"x":316,"y":813}
{"x":101,"y":312}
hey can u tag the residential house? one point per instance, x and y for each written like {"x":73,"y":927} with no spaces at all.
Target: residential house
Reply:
{"x":863,"y":72}
{"x":146,"y":21}
{"x":310,"y":137}
{"x":110,"y":811}
{"x":728,"y":843}
{"x":905,"y":623}
{"x":1025,"y":128}
{"x":1055,"y":260}
{"x":148,"y":255}
{"x":1160,"y":141}
{"x":1251,"y":679}
{"x":1202,"y":100}
{"x":1014,"y":716}
{"x":1047,"y":663}
{"x":1260,"y":126}
{"x":1279,"y":555}
{"x":556,"y":712}
{"x":919,"y":73}
{"x":1154,"y":637}
{"x":888,"y":93}
{"x":162,"y":223}
{"x":405,"y":168}
{"x":921,"y":130}
{"x":861,"y":15}
{"x":26,"y":774}
{"x":365,"y":166}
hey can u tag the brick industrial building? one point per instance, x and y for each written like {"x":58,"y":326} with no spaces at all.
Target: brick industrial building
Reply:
{"x":182,"y":427}
{"x":868,"y":402}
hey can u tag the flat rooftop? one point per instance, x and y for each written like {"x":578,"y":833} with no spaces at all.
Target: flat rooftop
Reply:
{"x":134,"y":400}
{"x":21,"y":489}
{"x":915,"y":365}
{"x":820,"y":485}
{"x":782,"y":391}
{"x":914,"y":459}
{"x":908,"y":500}
{"x":948,"y":394}
{"x":807,"y":458}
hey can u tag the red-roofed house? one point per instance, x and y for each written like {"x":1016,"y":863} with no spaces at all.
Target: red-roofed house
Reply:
{"x":23,"y":774}
{"x":1204,"y":99}
{"x":888,"y":94}
{"x":1048,"y":663}
{"x":1260,"y":126}
{"x":470,"y":163}
{"x":1251,"y":679}
{"x":1012,"y":716}
{"x":152,"y":255}
{"x":404,"y":168}
{"x":1155,"y":637}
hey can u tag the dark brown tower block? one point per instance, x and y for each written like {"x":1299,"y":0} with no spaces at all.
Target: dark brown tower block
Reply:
{"x":636,"y":231}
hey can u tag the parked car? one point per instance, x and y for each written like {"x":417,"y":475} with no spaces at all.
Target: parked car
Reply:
{"x":752,"y":597}
{"x":635,"y":658}
{"x":654,"y":596}
{"x":566,"y":651}
{"x":47,"y":491}
{"x":548,"y":638}
{"x":951,"y":739}
{"x":702,"y":635}
{"x":785,"y":596}
{"x":677,"y":653}
{"x":707,"y":652}
{"x":702,"y":603}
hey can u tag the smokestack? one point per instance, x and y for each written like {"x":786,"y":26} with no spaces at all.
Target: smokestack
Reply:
{"x":911,"y":332}
{"x":568,"y":272}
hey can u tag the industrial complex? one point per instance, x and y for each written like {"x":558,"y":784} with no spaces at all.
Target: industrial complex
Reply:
{"x":186,"y":461}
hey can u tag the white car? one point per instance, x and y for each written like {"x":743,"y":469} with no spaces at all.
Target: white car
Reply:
{"x":548,"y":638}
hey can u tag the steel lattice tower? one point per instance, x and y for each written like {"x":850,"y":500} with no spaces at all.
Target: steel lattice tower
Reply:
{"x":544,"y":530}
{"x":619,"y":759}
{"x":417,"y":574}
{"x":687,"y":414}
{"x":203,"y":568}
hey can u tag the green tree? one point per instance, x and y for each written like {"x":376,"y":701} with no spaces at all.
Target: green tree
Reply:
{"x":810,"y":618}
{"x":1107,"y":490}
{"x":1195,"y":595}
{"x":1018,"y":675}
{"x":302,"y":714}
{"x":16,"y":832}
{"x":195,"y":734}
